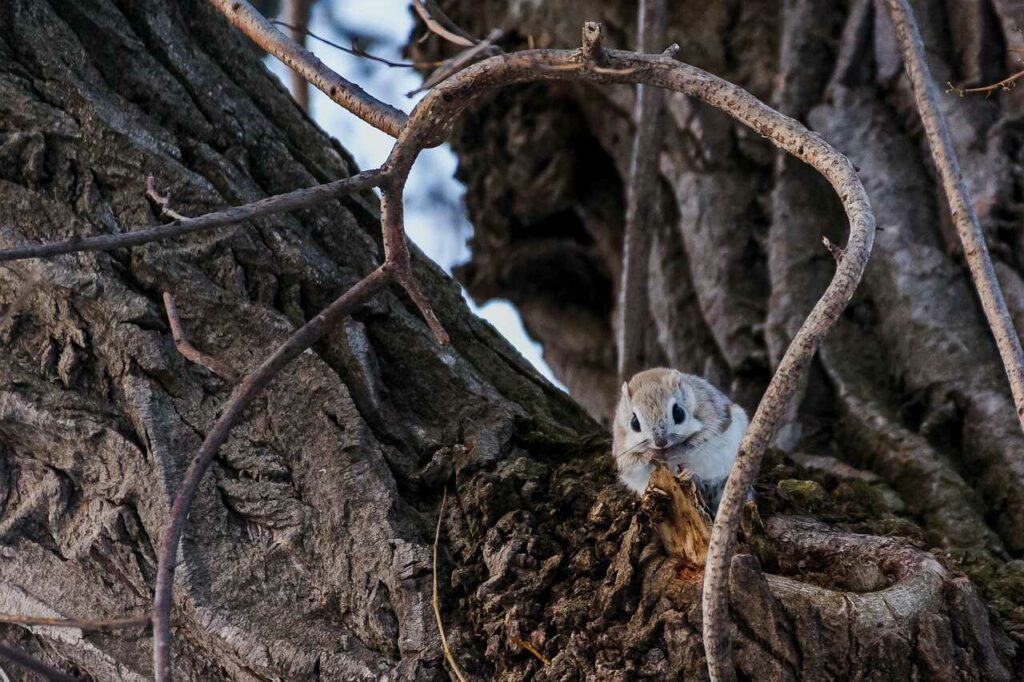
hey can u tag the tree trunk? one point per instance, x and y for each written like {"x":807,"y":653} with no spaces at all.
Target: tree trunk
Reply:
{"x":308,"y":552}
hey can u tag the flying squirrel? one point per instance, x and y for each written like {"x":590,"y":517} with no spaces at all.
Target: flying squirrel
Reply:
{"x":681,"y":420}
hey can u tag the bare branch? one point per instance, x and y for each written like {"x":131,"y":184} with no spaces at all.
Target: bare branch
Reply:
{"x":299,"y":341}
{"x":435,"y":600}
{"x":23,"y":660}
{"x":396,"y":252}
{"x":979,"y":262}
{"x":181,"y":342}
{"x":77,"y":623}
{"x":300,"y":198}
{"x":297,"y":12}
{"x":249,"y":21}
{"x":162,"y":201}
{"x":1005,"y":85}
{"x":357,"y":51}
{"x":526,"y":644}
{"x":641,"y":200}
{"x":834,"y":249}
{"x":438,"y":22}
{"x":461,"y":61}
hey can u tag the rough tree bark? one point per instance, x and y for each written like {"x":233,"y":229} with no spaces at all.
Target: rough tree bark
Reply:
{"x":308,"y":555}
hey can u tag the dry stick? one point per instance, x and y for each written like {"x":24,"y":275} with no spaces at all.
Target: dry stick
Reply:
{"x":526,"y":644}
{"x":435,"y":601}
{"x":77,"y":623}
{"x":181,"y":342}
{"x":971,"y":236}
{"x":23,"y":660}
{"x":298,"y":17}
{"x":641,"y":195}
{"x":301,"y":198}
{"x":1004,"y":85}
{"x":249,"y":21}
{"x":299,"y":341}
{"x":164,"y":202}
{"x":461,"y":61}
{"x":438,"y":22}
{"x":357,"y":51}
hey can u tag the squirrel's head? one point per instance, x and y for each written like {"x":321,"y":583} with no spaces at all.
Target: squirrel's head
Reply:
{"x":658,"y":406}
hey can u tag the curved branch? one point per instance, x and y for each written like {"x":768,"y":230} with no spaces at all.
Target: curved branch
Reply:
{"x":300,"y":198}
{"x":451,"y":96}
{"x":249,"y":21}
{"x":979,"y":262}
{"x":304,"y":337}
{"x":189,"y":351}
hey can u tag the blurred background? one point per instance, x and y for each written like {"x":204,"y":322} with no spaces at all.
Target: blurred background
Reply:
{"x":435,"y":215}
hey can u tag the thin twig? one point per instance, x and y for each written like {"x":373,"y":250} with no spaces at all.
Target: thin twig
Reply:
{"x":23,"y":660}
{"x":526,"y":644}
{"x":979,"y":262}
{"x":1004,"y":85}
{"x":641,"y":200}
{"x":185,"y":347}
{"x":86,"y":625}
{"x":834,"y":249}
{"x":461,"y":61}
{"x":438,"y":22}
{"x":435,"y":601}
{"x":249,"y":21}
{"x":357,"y":51}
{"x":164,"y":202}
{"x":280,"y":203}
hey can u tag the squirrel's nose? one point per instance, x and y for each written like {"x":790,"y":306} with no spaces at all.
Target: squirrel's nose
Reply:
{"x":660,"y":441}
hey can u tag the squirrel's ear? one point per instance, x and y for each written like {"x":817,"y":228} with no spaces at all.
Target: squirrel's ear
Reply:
{"x":625,"y":391}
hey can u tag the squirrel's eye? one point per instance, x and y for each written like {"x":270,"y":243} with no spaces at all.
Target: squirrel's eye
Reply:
{"x":634,"y":423}
{"x":678,"y":414}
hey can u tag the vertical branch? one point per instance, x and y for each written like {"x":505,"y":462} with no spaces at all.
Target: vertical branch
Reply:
{"x":297,"y":17}
{"x":435,"y":600}
{"x":979,"y":262}
{"x":641,"y":200}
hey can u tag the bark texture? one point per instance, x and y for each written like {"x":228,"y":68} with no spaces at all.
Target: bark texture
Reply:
{"x":308,"y":554}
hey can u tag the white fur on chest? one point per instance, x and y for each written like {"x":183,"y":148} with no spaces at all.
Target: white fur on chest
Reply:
{"x":712,"y":461}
